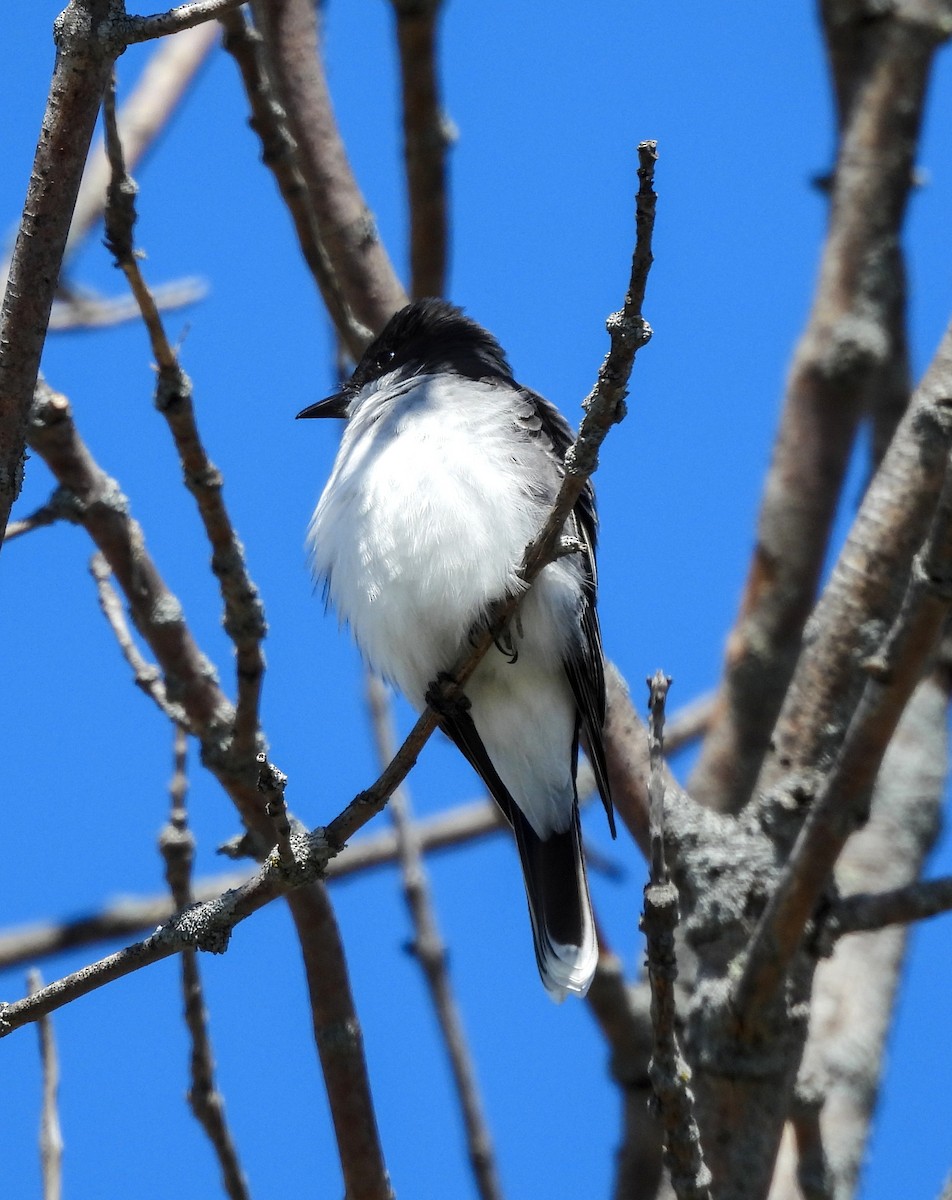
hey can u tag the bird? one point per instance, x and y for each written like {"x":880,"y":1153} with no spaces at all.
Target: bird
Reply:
{"x":445,"y":471}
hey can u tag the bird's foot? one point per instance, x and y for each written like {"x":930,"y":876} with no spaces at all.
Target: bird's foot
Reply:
{"x":505,"y":640}
{"x":440,"y":699}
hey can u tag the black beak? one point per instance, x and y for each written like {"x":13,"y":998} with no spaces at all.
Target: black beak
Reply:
{"x":333,"y":406}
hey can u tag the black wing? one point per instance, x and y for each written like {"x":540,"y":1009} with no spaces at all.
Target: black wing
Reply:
{"x":585,"y":664}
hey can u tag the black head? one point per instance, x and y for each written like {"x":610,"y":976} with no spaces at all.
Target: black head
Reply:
{"x":425,"y":337}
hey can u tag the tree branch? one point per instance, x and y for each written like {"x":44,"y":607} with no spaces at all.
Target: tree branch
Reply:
{"x":244,"y":619}
{"x":129,"y":916}
{"x":427,"y":136}
{"x":430,"y":950}
{"x":669,"y":1072}
{"x":279,"y":153}
{"x":340,"y":1045}
{"x":184,"y":16}
{"x":51,"y":1134}
{"x":83,"y":65}
{"x":177,"y":845}
{"x":844,"y":795}
{"x":854,"y":338}
{"x":866,"y":911}
{"x":147,"y":676}
{"x":346,"y":226}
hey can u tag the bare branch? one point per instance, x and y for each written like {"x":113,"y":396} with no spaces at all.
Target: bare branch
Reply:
{"x":670,"y":1073}
{"x":347,"y":228}
{"x":61,"y":506}
{"x":873,"y":910}
{"x":427,"y":135}
{"x":51,"y":1135}
{"x":159,"y":90}
{"x":184,"y":16}
{"x":82,"y":69}
{"x":75,"y":309}
{"x":244,"y":619}
{"x":430,"y":950}
{"x":133,"y":915}
{"x":844,"y":795}
{"x":340,"y":1046}
{"x":271,"y":784}
{"x":854,"y":337}
{"x":147,"y":676}
{"x":279,"y":152}
{"x":177,"y":845}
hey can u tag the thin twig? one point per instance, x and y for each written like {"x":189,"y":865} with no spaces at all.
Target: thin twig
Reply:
{"x":430,"y":950}
{"x":177,"y":845}
{"x":670,"y":1074}
{"x":271,"y":784}
{"x":51,"y":1134}
{"x":134,"y":915}
{"x":244,"y":612}
{"x":899,"y":906}
{"x":184,"y":16}
{"x":61,"y":506}
{"x":74,"y":309}
{"x":147,"y":676}
{"x":151,"y":104}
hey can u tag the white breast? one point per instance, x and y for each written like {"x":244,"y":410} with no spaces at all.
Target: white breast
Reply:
{"x":431,"y":503}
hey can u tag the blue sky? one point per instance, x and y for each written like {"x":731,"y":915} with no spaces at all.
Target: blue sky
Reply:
{"x":550,"y":104}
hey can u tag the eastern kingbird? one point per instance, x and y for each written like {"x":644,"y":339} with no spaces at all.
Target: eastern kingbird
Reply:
{"x":446,"y":470}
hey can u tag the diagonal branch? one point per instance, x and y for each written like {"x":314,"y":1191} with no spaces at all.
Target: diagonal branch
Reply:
{"x":345,"y":224}
{"x":83,"y":65}
{"x":135,"y":915}
{"x":280,"y":154}
{"x":865,"y":591}
{"x":159,"y":90}
{"x":147,"y":676}
{"x":843,"y":799}
{"x":183,"y":16}
{"x":854,"y":338}
{"x":244,"y":612}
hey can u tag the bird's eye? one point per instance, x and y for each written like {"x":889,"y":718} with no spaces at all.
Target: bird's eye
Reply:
{"x":384,"y":359}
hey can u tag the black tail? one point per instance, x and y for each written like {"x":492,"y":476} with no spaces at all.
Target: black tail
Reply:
{"x":563,"y":928}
